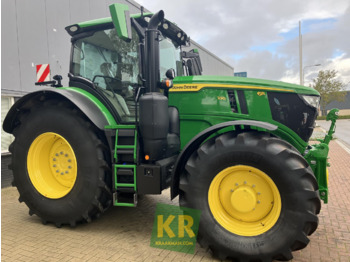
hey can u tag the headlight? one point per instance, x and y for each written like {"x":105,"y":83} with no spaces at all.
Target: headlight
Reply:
{"x":313,"y":101}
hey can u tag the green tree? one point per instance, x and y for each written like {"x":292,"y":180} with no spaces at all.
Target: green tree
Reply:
{"x":329,"y":87}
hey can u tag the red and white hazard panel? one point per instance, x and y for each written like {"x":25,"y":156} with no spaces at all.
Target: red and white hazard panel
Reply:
{"x":42,"y":73}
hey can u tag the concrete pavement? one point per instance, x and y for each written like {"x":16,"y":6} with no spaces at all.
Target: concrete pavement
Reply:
{"x":123,"y":234}
{"x":342,"y":130}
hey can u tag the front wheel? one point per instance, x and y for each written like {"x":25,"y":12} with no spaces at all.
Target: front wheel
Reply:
{"x":258,"y":197}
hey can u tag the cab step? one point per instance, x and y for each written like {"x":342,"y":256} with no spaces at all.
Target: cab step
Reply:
{"x":124,"y":199}
{"x":125,"y":185}
{"x":125,"y":162}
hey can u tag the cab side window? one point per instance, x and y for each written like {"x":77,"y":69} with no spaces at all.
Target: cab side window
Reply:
{"x":112,"y":65}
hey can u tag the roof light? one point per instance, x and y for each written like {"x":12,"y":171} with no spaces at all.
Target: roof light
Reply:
{"x":73,"y":28}
{"x":179,"y":34}
{"x":165,"y":26}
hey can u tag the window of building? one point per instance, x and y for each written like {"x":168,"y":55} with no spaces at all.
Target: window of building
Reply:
{"x":6,"y":139}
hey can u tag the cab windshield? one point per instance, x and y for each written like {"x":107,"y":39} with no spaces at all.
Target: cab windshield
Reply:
{"x":112,"y":65}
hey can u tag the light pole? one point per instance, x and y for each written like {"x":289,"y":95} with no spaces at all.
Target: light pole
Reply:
{"x":302,"y":83}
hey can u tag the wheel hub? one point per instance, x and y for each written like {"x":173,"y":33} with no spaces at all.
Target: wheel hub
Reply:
{"x":244,"y":200}
{"x":61,"y":156}
{"x":52,"y":166}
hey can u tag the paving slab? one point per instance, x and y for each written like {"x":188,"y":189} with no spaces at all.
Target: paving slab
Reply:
{"x":123,"y":234}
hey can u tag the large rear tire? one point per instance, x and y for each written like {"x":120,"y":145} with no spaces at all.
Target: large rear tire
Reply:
{"x":258,"y":196}
{"x":60,"y":165}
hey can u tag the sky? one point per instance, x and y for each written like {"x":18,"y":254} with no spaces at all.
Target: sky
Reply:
{"x":262,"y":37}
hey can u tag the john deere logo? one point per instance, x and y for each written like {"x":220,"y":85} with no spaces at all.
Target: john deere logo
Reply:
{"x":175,"y":228}
{"x":261,"y":93}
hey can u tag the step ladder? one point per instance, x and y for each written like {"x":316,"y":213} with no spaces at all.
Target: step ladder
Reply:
{"x":125,"y":160}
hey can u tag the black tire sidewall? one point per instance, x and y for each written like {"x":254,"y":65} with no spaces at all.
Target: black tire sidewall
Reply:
{"x":72,"y":127}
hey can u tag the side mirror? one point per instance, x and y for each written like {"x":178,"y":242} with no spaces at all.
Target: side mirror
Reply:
{"x":170,"y":73}
{"x":193,"y":62}
{"x":121,"y":20}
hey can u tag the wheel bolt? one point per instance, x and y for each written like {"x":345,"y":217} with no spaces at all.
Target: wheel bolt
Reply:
{"x":258,"y":202}
{"x":66,"y":172}
{"x":66,"y":155}
{"x":62,"y":173}
{"x":56,"y":154}
{"x":54,"y":159}
{"x":231,"y":190}
{"x":69,"y":167}
{"x":253,"y":185}
{"x":236,"y":184}
{"x":61,"y":153}
{"x":69,"y":160}
{"x":54,"y":165}
{"x":259,"y":193}
{"x":57,"y":171}
{"x":245,"y":182}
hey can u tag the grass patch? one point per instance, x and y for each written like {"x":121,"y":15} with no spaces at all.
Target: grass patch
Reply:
{"x":340,"y":117}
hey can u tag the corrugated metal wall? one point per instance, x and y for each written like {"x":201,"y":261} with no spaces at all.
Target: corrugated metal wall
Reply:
{"x":33,"y":33}
{"x":212,"y":65}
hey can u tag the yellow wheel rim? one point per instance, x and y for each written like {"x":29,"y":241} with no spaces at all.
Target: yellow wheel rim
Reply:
{"x":52,"y":166}
{"x":244,"y":200}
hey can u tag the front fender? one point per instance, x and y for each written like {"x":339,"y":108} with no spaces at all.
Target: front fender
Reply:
{"x":200,"y":138}
{"x":89,"y":105}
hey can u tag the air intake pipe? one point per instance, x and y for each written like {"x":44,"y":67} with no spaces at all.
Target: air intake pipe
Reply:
{"x":154,"y":117}
{"x":152,"y":52}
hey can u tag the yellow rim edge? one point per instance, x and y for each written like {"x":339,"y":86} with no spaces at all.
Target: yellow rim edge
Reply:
{"x":52,"y":165}
{"x":244,"y":200}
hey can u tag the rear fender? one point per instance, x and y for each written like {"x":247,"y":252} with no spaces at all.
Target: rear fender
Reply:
{"x":200,"y":138}
{"x":95,"y":111}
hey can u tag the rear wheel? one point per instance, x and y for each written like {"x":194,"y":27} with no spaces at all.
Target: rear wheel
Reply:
{"x":258,"y":197}
{"x":60,"y":165}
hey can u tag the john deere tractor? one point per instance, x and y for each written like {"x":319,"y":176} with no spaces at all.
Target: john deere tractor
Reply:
{"x":138,"y":117}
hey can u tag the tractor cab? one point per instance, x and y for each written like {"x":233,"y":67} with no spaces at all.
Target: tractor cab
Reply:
{"x":114,"y":68}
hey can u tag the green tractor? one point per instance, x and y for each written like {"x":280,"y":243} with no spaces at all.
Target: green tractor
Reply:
{"x":138,"y":117}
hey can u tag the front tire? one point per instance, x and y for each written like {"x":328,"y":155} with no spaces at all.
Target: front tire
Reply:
{"x":60,"y":165}
{"x":258,"y":196}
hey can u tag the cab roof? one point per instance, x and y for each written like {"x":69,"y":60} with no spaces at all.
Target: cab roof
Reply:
{"x":167,"y":27}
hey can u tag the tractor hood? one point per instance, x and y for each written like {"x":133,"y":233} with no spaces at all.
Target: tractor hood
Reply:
{"x":196,"y":83}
